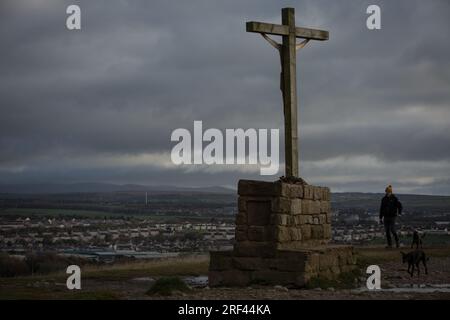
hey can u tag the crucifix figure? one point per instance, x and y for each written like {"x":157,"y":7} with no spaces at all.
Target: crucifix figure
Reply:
{"x":288,"y":82}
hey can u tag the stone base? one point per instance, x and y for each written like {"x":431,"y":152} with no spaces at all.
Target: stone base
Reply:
{"x":279,"y":267}
{"x":282,"y":232}
{"x":282,"y":216}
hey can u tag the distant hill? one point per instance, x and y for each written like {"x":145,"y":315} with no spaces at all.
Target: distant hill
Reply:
{"x":371,"y":201}
{"x":347,"y":201}
{"x":103,"y":188}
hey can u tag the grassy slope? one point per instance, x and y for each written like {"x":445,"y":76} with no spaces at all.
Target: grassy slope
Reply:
{"x":53,"y":286}
{"x":374,"y":255}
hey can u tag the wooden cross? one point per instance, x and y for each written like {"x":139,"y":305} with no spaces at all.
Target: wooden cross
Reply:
{"x":288,"y":84}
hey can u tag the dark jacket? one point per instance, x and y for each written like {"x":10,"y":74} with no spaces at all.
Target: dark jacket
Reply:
{"x":390,"y":207}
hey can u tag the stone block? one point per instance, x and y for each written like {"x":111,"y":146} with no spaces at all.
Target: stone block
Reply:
{"x":289,"y":255}
{"x":315,"y":219}
{"x":326,"y":194}
{"x":295,"y":234}
{"x":302,"y":219}
{"x":347,"y":268}
{"x":260,"y":233}
{"x":312,"y":263}
{"x":241,"y":218}
{"x":308,"y":192}
{"x":242,"y":228}
{"x":220,"y":260}
{"x":295,"y":191}
{"x":306,"y":232}
{"x":329,"y":216}
{"x":327,"y":231}
{"x":248,"y":263}
{"x":282,"y":234}
{"x":261,"y":188}
{"x":344,"y":258}
{"x":291,"y":265}
{"x":274,"y":277}
{"x":296,"y":206}
{"x":242,"y":203}
{"x":240,"y":233}
{"x":328,"y":261}
{"x":292,"y":245}
{"x":234,"y":278}
{"x":315,"y":207}
{"x":322,"y":218}
{"x":282,"y":219}
{"x":324,"y":206}
{"x":254,"y":249}
{"x":258,"y":213}
{"x":240,"y":236}
{"x":317,"y":231}
{"x":281,"y":205}
{"x":317,"y":193}
{"x":256,"y":233}
{"x":310,"y":206}
{"x":306,"y":206}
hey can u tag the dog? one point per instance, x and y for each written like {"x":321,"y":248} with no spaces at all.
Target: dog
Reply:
{"x":417,"y":240}
{"x":414,"y":258}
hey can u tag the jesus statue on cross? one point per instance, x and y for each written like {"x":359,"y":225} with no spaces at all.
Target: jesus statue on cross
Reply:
{"x":279,"y":47}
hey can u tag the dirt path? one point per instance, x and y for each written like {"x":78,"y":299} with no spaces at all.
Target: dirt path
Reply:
{"x":395,"y":274}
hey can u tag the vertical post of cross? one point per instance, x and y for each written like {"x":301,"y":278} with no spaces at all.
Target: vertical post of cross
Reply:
{"x":290,"y":94}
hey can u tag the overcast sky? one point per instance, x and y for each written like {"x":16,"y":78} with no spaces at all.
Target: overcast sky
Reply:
{"x":99,"y":105}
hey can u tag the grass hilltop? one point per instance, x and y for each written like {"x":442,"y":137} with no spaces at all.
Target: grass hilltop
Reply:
{"x":134,"y":281}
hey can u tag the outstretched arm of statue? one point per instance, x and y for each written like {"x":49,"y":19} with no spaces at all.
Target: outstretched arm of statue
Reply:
{"x":274,"y":44}
{"x":301,"y":44}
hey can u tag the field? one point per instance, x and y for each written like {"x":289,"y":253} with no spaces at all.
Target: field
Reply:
{"x":92,"y":214}
{"x":27,"y":212}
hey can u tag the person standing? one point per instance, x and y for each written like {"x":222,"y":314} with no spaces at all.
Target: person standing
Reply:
{"x":390,"y":208}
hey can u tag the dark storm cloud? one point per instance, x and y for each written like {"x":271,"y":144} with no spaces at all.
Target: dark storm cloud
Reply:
{"x":91,"y":105}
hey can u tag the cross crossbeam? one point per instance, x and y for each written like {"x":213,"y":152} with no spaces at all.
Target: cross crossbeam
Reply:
{"x":281,"y":30}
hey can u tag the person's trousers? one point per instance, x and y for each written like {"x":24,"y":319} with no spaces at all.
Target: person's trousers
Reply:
{"x":389,"y":227}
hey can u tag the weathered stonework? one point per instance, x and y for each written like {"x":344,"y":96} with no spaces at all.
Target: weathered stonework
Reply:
{"x":283,"y":267}
{"x":291,"y":213}
{"x":282,"y":232}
